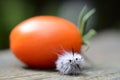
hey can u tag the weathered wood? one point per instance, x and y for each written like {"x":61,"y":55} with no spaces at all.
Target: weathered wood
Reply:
{"x":104,"y":53}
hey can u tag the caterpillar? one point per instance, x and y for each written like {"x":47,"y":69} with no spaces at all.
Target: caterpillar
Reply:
{"x":70,"y":63}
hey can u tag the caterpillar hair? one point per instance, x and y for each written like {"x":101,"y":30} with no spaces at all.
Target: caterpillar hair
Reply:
{"x":70,"y":63}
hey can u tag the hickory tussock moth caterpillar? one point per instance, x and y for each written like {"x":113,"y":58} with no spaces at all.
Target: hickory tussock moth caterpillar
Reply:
{"x":70,"y":63}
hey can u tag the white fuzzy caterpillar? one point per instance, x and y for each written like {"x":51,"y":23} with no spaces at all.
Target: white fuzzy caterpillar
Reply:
{"x":70,"y":63}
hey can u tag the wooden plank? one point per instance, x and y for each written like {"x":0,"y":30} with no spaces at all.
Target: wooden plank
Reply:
{"x":104,"y":53}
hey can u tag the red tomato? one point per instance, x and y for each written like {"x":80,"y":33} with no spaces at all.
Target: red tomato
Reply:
{"x":36,"y":41}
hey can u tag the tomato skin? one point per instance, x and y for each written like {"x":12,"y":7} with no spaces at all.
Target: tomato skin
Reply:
{"x":36,"y":40}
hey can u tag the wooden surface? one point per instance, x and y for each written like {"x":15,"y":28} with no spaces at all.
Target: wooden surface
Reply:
{"x":104,"y":53}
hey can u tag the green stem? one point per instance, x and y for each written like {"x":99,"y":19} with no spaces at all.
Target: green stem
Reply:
{"x":86,"y":38}
{"x":89,"y":35}
{"x":80,"y":25}
{"x":83,"y":19}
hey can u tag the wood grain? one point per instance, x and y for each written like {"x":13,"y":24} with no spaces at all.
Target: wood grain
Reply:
{"x":104,"y":53}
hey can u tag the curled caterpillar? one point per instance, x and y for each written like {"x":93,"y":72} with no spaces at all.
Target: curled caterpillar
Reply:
{"x":70,"y":63}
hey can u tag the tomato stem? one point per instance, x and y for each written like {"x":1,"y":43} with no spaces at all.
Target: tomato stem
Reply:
{"x":83,"y":19}
{"x":87,"y":36}
{"x":80,"y":23}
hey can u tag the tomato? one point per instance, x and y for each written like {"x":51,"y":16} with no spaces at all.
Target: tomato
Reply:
{"x":37,"y":40}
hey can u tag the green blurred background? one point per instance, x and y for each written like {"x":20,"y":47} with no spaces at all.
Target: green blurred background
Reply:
{"x":13,"y":12}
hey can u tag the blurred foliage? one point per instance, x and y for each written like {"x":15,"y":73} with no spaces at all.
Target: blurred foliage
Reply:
{"x":13,"y":12}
